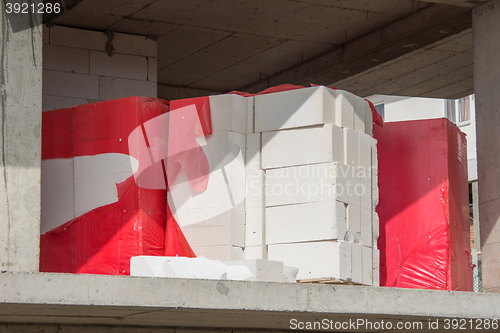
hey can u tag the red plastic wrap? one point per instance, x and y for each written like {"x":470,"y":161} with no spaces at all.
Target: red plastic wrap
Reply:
{"x":423,"y":205}
{"x":102,"y":240}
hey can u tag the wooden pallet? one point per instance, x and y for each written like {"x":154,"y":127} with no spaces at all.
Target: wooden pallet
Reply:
{"x":328,"y":281}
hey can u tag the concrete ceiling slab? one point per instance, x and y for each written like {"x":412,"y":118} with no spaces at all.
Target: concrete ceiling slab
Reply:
{"x":274,"y":18}
{"x":87,"y":20}
{"x":142,"y":27}
{"x":113,"y":7}
{"x":185,"y":41}
{"x":261,"y":65}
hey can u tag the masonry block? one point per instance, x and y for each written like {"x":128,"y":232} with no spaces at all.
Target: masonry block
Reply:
{"x":227,"y":229}
{"x":325,"y":220}
{"x":351,"y":147}
{"x":376,"y":268}
{"x":357,"y":263}
{"x":307,"y":183}
{"x":353,"y":223}
{"x":152,"y":69}
{"x":78,"y":38}
{"x":344,"y":109}
{"x":368,"y":119}
{"x":302,"y":146}
{"x":58,"y":102}
{"x":222,"y":253}
{"x":359,"y":114}
{"x":114,"y":88}
{"x":58,"y":83}
{"x":134,"y":45}
{"x":255,"y":209}
{"x":315,"y":260}
{"x":229,"y":113}
{"x":366,"y":237}
{"x":66,"y":59}
{"x":253,"y":152}
{"x":250,"y":114}
{"x":255,"y":252}
{"x":293,"y":109}
{"x":367,"y":254}
{"x":262,"y":270}
{"x":119,"y":65}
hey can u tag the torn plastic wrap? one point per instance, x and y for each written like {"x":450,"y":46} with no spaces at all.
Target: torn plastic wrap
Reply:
{"x":90,"y":152}
{"x":423,"y":207}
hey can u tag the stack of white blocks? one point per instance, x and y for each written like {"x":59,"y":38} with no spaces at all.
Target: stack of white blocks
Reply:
{"x":309,"y":183}
{"x":83,"y":66}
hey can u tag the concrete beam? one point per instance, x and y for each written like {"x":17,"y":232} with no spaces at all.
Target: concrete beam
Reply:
{"x":414,"y":32}
{"x":487,"y":85}
{"x":127,"y":301}
{"x":20,"y":140}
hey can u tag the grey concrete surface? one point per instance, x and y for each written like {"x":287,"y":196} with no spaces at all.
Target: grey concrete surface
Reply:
{"x":487,"y":86}
{"x":126,"y":301}
{"x":20,"y":141}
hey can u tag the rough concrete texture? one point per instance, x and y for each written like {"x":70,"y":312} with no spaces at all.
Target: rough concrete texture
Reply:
{"x":20,"y":140}
{"x":126,"y":301}
{"x":487,"y":85}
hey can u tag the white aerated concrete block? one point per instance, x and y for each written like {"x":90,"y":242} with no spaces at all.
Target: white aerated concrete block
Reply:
{"x":58,"y":102}
{"x":368,"y":119}
{"x":353,"y":223}
{"x":255,"y":209}
{"x":351,"y":147}
{"x":366,"y":190}
{"x":376,"y":268}
{"x":134,"y":45}
{"x":153,"y":266}
{"x":293,"y":109}
{"x":250,"y":114}
{"x":78,"y":38}
{"x":359,"y":114}
{"x":221,"y":252}
{"x":119,"y":65}
{"x":357,"y":263}
{"x":66,"y":59}
{"x":65,"y":84}
{"x":114,"y":88}
{"x":344,"y":109}
{"x":375,"y":229}
{"x":307,"y":183}
{"x":367,"y":265}
{"x":302,"y":146}
{"x":262,"y":270}
{"x":229,"y":113}
{"x":255,"y":252}
{"x":153,"y":69}
{"x":365,"y":150}
{"x":374,"y":175}
{"x":366,"y":237}
{"x":227,"y":228}
{"x":325,"y":220}
{"x":315,"y":260}
{"x":253,"y":152}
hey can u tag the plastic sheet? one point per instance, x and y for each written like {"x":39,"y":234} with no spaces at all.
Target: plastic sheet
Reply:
{"x":103,"y":240}
{"x":423,"y":206}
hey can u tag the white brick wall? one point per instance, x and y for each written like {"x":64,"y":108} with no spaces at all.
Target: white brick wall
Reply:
{"x":78,"y":70}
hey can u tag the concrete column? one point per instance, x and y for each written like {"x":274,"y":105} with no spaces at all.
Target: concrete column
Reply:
{"x":486,"y":24}
{"x":20,"y":140}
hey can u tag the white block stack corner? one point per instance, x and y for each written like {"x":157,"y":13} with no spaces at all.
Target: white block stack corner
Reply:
{"x":293,"y":179}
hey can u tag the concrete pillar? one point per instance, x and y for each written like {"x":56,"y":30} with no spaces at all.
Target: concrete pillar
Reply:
{"x":486,"y":26}
{"x":20,"y":140}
